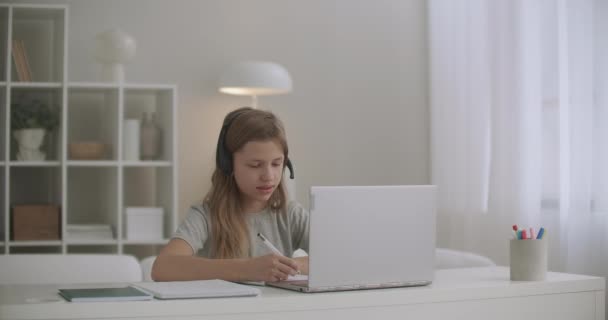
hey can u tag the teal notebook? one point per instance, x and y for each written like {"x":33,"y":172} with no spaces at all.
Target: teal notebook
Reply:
{"x":104,"y":294}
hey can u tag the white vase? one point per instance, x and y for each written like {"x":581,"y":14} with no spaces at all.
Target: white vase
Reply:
{"x":30,"y":141}
{"x":130,"y":143}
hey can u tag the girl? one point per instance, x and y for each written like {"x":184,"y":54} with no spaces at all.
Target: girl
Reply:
{"x":218,"y":239}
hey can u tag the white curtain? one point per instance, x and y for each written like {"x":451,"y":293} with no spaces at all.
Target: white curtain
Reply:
{"x":519,"y":122}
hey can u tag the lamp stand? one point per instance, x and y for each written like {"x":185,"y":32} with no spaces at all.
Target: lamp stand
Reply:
{"x":254,"y":101}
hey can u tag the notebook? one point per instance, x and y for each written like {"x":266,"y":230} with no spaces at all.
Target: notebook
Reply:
{"x":197,"y":289}
{"x":368,"y":237}
{"x":104,"y":294}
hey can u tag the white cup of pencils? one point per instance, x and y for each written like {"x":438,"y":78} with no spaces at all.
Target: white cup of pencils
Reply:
{"x":528,"y":254}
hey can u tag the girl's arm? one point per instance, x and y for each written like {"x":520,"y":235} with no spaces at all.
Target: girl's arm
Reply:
{"x":176,"y":262}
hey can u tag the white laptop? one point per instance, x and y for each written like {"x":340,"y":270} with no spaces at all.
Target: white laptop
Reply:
{"x":364,"y":237}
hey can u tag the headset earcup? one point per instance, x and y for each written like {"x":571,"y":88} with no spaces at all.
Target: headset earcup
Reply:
{"x":223,"y":159}
{"x":227,"y":164}
{"x":290,"y":167}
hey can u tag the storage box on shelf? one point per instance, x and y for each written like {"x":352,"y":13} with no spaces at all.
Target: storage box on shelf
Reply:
{"x":35,"y":222}
{"x":144,"y":223}
{"x":85,"y":173}
{"x":33,"y":214}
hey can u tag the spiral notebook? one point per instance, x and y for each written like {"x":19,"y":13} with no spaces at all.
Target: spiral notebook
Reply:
{"x":196,"y":289}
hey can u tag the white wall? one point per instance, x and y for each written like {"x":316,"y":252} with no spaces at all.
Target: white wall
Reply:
{"x":359,"y":110}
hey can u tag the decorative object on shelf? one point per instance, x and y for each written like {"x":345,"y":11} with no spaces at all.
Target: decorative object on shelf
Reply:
{"x":144,"y":223}
{"x":151,"y":137}
{"x":30,"y":121}
{"x":30,"y":141}
{"x":35,"y":222}
{"x":130,"y":144}
{"x":113,"y":49}
{"x":90,"y":150}
{"x":255,"y":78}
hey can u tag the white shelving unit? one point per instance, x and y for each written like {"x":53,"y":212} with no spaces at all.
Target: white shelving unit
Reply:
{"x":87,"y":191}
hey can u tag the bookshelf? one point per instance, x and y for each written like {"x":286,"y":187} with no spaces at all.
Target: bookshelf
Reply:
{"x":89,"y":192}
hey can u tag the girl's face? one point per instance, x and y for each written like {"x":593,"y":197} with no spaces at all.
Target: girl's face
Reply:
{"x":258,"y":169}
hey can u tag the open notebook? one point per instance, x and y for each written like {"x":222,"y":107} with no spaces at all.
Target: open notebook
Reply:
{"x":196,"y":289}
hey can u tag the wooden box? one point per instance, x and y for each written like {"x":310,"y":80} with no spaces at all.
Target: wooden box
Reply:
{"x":36,"y":222}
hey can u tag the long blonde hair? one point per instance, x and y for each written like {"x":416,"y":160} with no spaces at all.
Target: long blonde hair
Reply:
{"x":229,"y":233}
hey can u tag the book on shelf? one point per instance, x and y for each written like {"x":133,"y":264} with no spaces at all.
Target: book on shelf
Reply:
{"x":21,"y":61}
{"x":89,"y":227}
{"x":17,"y":62}
{"x":28,"y":69}
{"x":77,"y":232}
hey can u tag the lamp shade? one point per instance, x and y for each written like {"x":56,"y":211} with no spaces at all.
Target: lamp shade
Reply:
{"x":255,"y":78}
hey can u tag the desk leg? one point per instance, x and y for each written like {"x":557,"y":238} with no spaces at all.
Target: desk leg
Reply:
{"x":600,"y":305}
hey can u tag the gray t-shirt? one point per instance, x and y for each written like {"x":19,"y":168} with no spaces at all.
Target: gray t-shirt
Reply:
{"x":287,"y":232}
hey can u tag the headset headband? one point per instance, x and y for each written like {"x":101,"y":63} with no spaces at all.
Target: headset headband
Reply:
{"x":223,"y":157}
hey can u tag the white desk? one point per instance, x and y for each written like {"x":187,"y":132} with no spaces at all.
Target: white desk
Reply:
{"x":480,"y":293}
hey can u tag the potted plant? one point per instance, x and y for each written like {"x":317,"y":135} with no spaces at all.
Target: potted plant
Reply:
{"x":30,"y":121}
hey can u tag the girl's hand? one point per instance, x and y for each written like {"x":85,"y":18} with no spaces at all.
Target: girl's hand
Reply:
{"x":270,"y":268}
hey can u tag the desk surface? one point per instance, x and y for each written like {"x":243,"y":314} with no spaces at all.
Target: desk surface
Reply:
{"x":450,"y":285}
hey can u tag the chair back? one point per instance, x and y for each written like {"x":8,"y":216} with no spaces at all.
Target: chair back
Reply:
{"x":68,"y":268}
{"x":146,"y":267}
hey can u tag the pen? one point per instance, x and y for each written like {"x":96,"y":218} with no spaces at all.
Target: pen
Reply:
{"x":270,"y":246}
{"x":540,"y":234}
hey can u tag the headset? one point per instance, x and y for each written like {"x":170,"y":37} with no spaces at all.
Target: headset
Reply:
{"x":223,"y":157}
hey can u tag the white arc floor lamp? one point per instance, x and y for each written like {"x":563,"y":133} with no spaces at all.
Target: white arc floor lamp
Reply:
{"x":258,"y":78}
{"x":255,"y":78}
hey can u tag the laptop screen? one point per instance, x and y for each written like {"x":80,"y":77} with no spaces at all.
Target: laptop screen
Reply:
{"x":366,"y":235}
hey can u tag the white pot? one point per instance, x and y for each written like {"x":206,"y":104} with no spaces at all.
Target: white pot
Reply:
{"x":29,"y":141}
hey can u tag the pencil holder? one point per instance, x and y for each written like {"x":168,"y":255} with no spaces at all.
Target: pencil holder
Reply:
{"x":528,"y":259}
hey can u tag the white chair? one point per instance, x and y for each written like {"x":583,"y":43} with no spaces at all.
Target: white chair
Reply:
{"x":448,"y":259}
{"x":146,"y":267}
{"x":68,"y":268}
